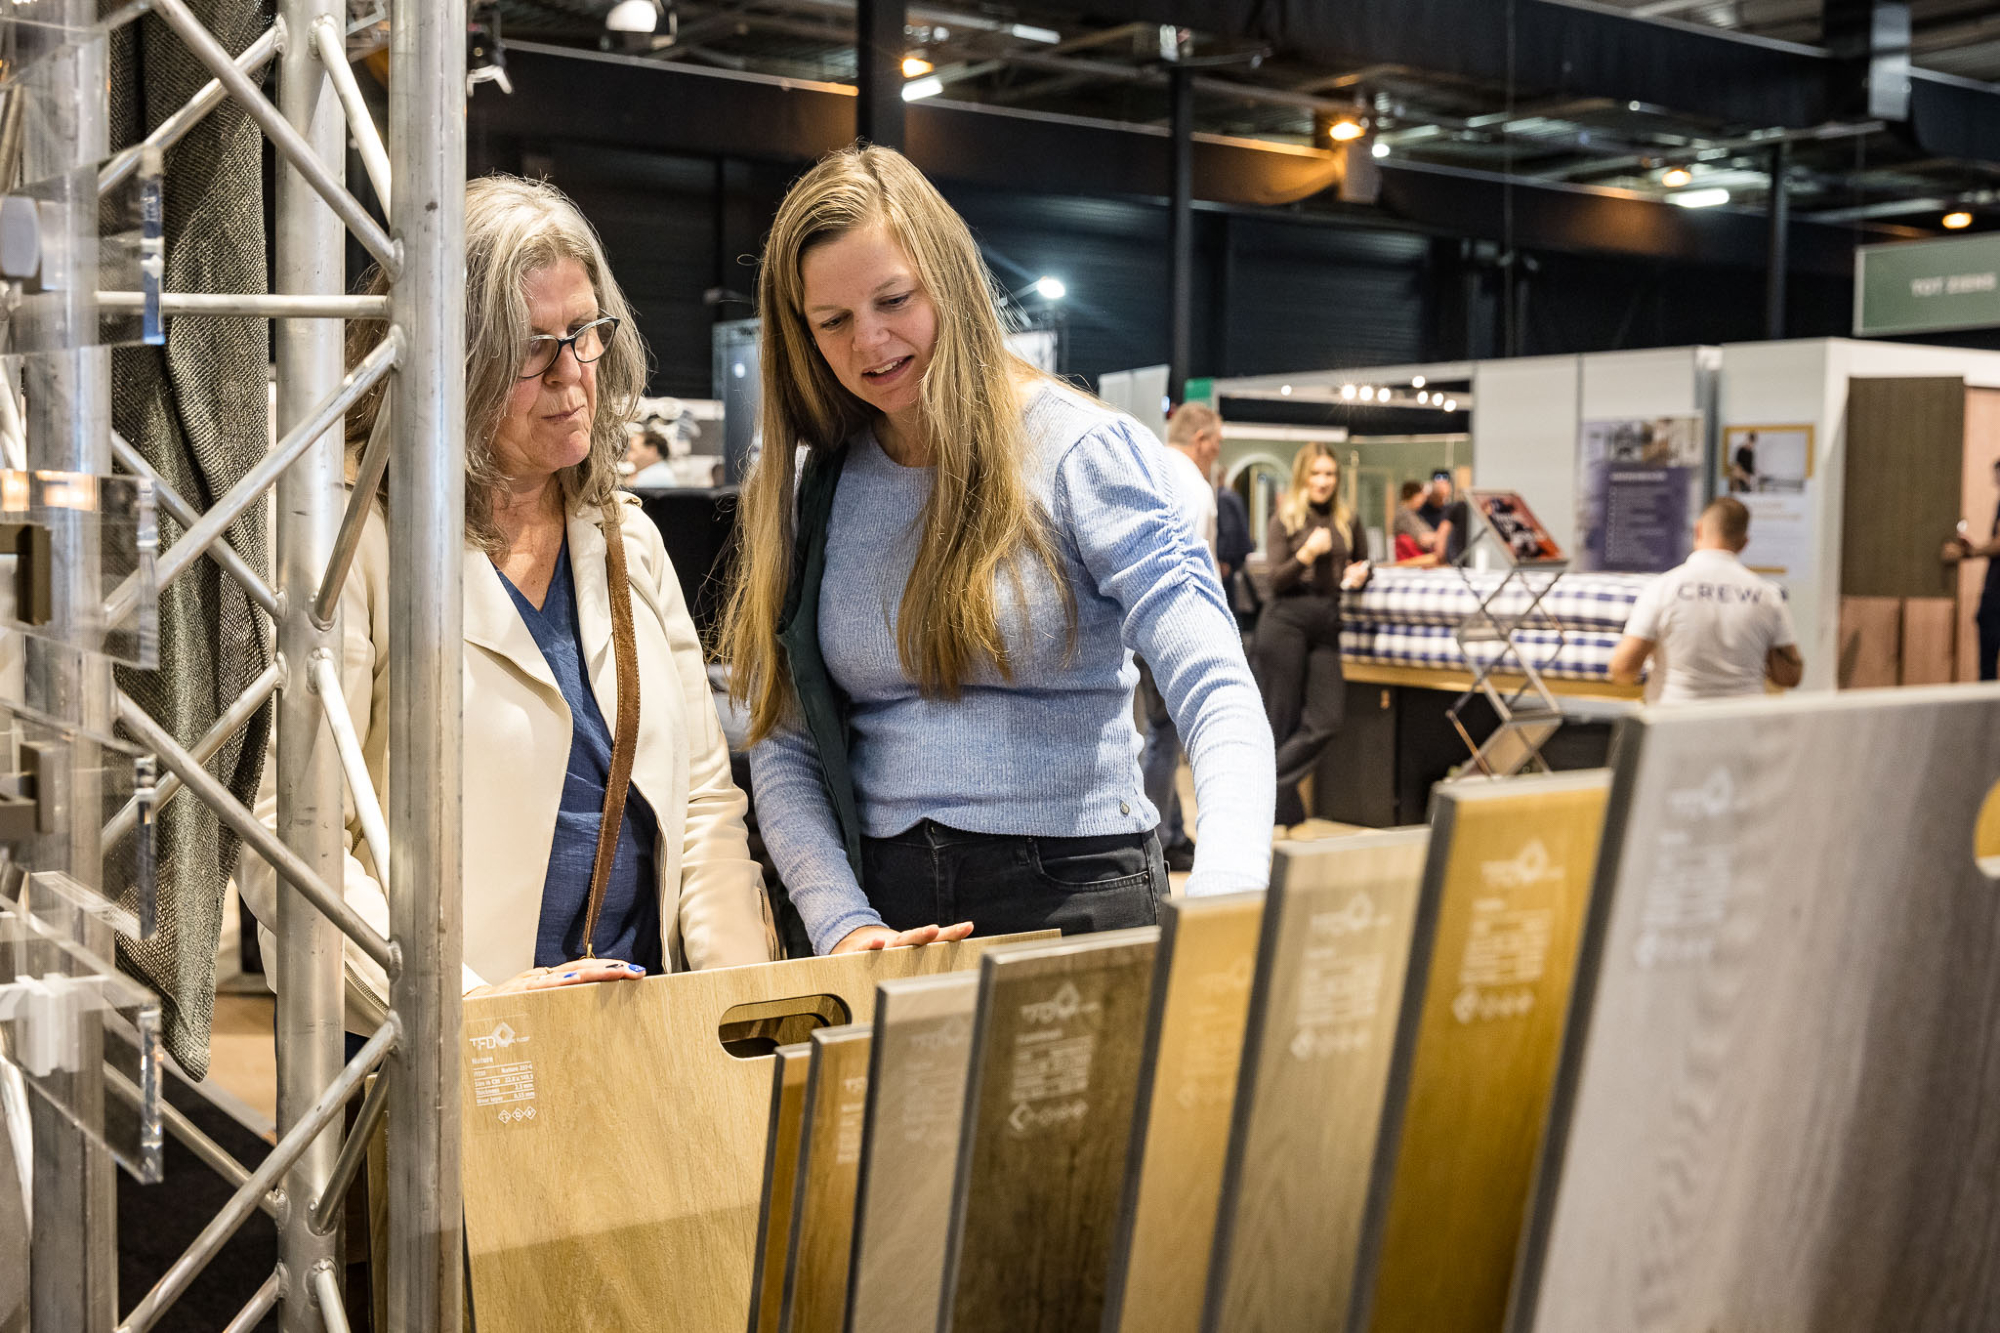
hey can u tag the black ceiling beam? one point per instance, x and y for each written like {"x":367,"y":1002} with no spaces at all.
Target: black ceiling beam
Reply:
{"x":1559,"y":48}
{"x":583,"y":96}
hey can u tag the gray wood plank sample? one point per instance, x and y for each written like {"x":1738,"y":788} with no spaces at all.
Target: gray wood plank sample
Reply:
{"x":781,"y":1165}
{"x":829,"y":1164}
{"x":909,"y":1150}
{"x":1180,"y":1133}
{"x":1331,"y":968}
{"x":1777,"y":1101}
{"x":1054,"y":1076}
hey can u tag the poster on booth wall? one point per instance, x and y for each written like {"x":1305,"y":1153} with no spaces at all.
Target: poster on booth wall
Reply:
{"x":1770,"y":469}
{"x":1639,"y":488}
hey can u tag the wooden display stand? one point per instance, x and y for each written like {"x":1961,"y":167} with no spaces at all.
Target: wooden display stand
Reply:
{"x":1778,"y":1083}
{"x":909,"y":1151}
{"x":1331,"y":964}
{"x":1507,"y":883}
{"x":1193,"y":1050}
{"x":614,"y":1149}
{"x":829,"y":1164}
{"x":781,"y":1174}
{"x":1055,"y":1076}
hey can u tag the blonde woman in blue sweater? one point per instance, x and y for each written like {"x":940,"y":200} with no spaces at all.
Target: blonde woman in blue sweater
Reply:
{"x":934,"y":619}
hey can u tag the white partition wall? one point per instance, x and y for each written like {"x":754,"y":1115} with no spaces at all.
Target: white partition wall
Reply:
{"x":1524,"y":421}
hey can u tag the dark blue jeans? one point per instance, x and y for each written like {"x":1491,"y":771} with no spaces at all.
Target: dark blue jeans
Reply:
{"x":1004,"y":882}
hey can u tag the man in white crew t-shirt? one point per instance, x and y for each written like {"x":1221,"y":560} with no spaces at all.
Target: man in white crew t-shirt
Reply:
{"x":1716,"y":629}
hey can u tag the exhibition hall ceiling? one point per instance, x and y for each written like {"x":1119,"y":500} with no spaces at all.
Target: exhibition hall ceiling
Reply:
{"x":1448,"y":114}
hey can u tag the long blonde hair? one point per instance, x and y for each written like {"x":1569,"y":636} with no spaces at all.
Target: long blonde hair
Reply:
{"x":982,"y":517}
{"x":1292,"y":504}
{"x":512,"y":228}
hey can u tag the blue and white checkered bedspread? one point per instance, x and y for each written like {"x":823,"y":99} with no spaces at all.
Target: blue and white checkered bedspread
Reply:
{"x":1601,"y":602}
{"x":1584,"y":654}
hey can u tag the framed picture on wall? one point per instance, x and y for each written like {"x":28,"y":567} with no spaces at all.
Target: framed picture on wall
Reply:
{"x":1760,"y":460}
{"x":1526,"y":540}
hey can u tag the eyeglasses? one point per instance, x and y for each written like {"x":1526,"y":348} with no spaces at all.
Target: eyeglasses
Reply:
{"x":588,"y":343}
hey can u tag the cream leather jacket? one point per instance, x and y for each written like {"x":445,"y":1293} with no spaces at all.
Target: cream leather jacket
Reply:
{"x":713,"y":912}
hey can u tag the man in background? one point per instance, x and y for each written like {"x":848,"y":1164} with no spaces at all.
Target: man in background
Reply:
{"x":1194,"y":443}
{"x":1987,"y":618}
{"x":1720,"y":630}
{"x":1446,"y":517}
{"x":1416,"y":541}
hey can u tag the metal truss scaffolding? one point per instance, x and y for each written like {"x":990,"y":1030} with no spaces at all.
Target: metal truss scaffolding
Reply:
{"x":417,"y":170}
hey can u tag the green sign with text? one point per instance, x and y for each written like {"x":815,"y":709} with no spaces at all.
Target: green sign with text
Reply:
{"x":1927,"y":286}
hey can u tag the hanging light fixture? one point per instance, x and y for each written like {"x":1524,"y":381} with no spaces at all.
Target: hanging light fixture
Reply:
{"x":634,"y":16}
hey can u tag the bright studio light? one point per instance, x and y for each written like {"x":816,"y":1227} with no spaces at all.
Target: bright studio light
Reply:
{"x":916,"y":90}
{"x":1675,"y":177}
{"x":915,"y":67}
{"x":1346,"y":130}
{"x":1347,"y":392}
{"x":1367,"y":393}
{"x":1451,"y":404}
{"x":1957,"y":221}
{"x":1423,"y":395}
{"x":1699,"y":198}
{"x":1050,"y":289}
{"x":633,"y":16}
{"x":1285,"y":389}
{"x":1418,"y":381}
{"x":1379,"y":149}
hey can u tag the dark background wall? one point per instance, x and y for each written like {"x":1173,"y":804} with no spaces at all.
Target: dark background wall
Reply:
{"x":1275,"y":291}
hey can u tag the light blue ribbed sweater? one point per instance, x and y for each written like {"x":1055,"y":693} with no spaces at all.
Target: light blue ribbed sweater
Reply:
{"x":1053,"y":752}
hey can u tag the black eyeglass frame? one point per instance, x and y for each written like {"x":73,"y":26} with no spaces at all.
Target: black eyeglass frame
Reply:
{"x":570,"y":342}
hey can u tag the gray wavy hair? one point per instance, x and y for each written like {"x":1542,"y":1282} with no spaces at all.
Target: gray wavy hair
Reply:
{"x":515,"y":227}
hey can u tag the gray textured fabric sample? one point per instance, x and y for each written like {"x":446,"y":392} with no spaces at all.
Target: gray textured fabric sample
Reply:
{"x":197,"y":409}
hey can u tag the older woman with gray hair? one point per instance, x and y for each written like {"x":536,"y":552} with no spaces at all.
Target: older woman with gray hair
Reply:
{"x":604,"y":839}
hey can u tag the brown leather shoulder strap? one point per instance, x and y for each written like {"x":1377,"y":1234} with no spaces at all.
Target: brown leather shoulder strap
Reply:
{"x":625,"y":738}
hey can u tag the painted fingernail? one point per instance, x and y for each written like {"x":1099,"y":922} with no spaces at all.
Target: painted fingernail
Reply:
{"x":569,"y":976}
{"x":634,"y":967}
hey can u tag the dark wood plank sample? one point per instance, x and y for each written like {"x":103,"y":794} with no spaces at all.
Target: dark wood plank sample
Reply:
{"x":909,"y":1150}
{"x":829,"y":1165}
{"x":1776,"y":1106}
{"x":1180,"y":1134}
{"x":1904,"y":451}
{"x":781,"y":1165}
{"x":1054,"y":1077}
{"x":1507,"y":883}
{"x":1330,"y":972}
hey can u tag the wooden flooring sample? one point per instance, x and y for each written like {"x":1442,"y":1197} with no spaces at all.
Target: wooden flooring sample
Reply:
{"x":1331,"y":966}
{"x":1180,"y":1134}
{"x":1507,"y":884}
{"x":624,"y":1092}
{"x":1041,"y":1162}
{"x":1930,"y":631}
{"x":781,"y":1174}
{"x":909,"y":1150}
{"x":1777,"y":1102}
{"x":829,"y":1164}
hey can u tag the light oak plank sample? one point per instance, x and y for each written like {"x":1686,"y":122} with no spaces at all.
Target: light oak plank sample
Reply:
{"x":1871,"y":642}
{"x":1048,"y":1115}
{"x":909,"y":1150}
{"x":1929,"y":640}
{"x":781,"y":1174}
{"x":1331,"y":966}
{"x":1776,"y":1109}
{"x":1507,"y":882}
{"x":829,"y":1163}
{"x":614,"y":1151}
{"x":1187,"y":1085}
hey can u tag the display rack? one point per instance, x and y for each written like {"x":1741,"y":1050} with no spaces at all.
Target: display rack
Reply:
{"x":1528,"y":713}
{"x":81,"y":248}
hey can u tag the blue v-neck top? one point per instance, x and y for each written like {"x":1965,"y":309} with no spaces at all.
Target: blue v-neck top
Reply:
{"x":628,"y":926}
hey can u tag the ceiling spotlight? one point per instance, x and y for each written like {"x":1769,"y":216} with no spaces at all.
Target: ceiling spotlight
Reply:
{"x":1957,"y":221}
{"x":1675,"y":177}
{"x":633,"y":16}
{"x":916,"y":90}
{"x":1380,"y":149}
{"x":915,"y":67}
{"x":1423,"y":395}
{"x":1285,"y":389}
{"x":1050,"y":289}
{"x":1345,"y":130}
{"x":1451,"y":404}
{"x":1418,"y":381}
{"x":1347,"y":392}
{"x":1367,"y":393}
{"x":1699,"y":198}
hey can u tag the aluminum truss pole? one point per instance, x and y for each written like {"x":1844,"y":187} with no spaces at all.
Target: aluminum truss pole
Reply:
{"x":310,"y":249}
{"x":426,"y":619}
{"x":73,"y":1258}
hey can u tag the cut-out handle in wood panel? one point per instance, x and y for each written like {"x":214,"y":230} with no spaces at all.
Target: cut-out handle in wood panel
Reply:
{"x":1776,"y":1102}
{"x":1180,"y":1134}
{"x":750,"y":1030}
{"x":1508,"y":881}
{"x":1331,"y":963}
{"x":829,"y":1163}
{"x":909,"y":1150}
{"x":1055,"y":1074}
{"x":572,"y":1094}
{"x":781,"y":1165}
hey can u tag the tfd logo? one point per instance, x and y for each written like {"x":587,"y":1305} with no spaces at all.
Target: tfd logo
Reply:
{"x":1530,"y":867}
{"x":500,"y":1038}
